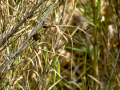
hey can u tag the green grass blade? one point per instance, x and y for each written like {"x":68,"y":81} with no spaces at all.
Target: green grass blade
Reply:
{"x":75,"y":84}
{"x":76,"y":49}
{"x":8,"y":52}
{"x":18,"y":2}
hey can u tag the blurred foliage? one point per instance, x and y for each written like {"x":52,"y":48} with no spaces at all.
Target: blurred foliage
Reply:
{"x":63,"y":58}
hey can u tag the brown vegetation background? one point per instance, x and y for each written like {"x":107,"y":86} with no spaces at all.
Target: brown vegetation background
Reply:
{"x":59,"y":44}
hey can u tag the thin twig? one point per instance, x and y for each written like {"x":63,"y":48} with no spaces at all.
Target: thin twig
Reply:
{"x":112,"y":72}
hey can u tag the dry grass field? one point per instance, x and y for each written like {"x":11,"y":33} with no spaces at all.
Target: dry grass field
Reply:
{"x":59,"y":44}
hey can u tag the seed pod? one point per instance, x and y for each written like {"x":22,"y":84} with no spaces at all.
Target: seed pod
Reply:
{"x":36,"y":36}
{"x":46,"y":23}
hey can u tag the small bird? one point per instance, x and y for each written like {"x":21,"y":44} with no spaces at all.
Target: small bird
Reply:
{"x":37,"y":36}
{"x":46,"y":23}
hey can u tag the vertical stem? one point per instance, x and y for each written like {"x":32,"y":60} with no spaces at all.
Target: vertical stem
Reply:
{"x":95,"y":61}
{"x":85,"y":87}
{"x":118,"y":19}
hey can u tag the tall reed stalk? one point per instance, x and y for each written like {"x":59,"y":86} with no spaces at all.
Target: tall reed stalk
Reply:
{"x":95,"y":61}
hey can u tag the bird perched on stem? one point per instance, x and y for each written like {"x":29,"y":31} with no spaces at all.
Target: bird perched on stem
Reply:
{"x":37,"y":36}
{"x":45,"y":24}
